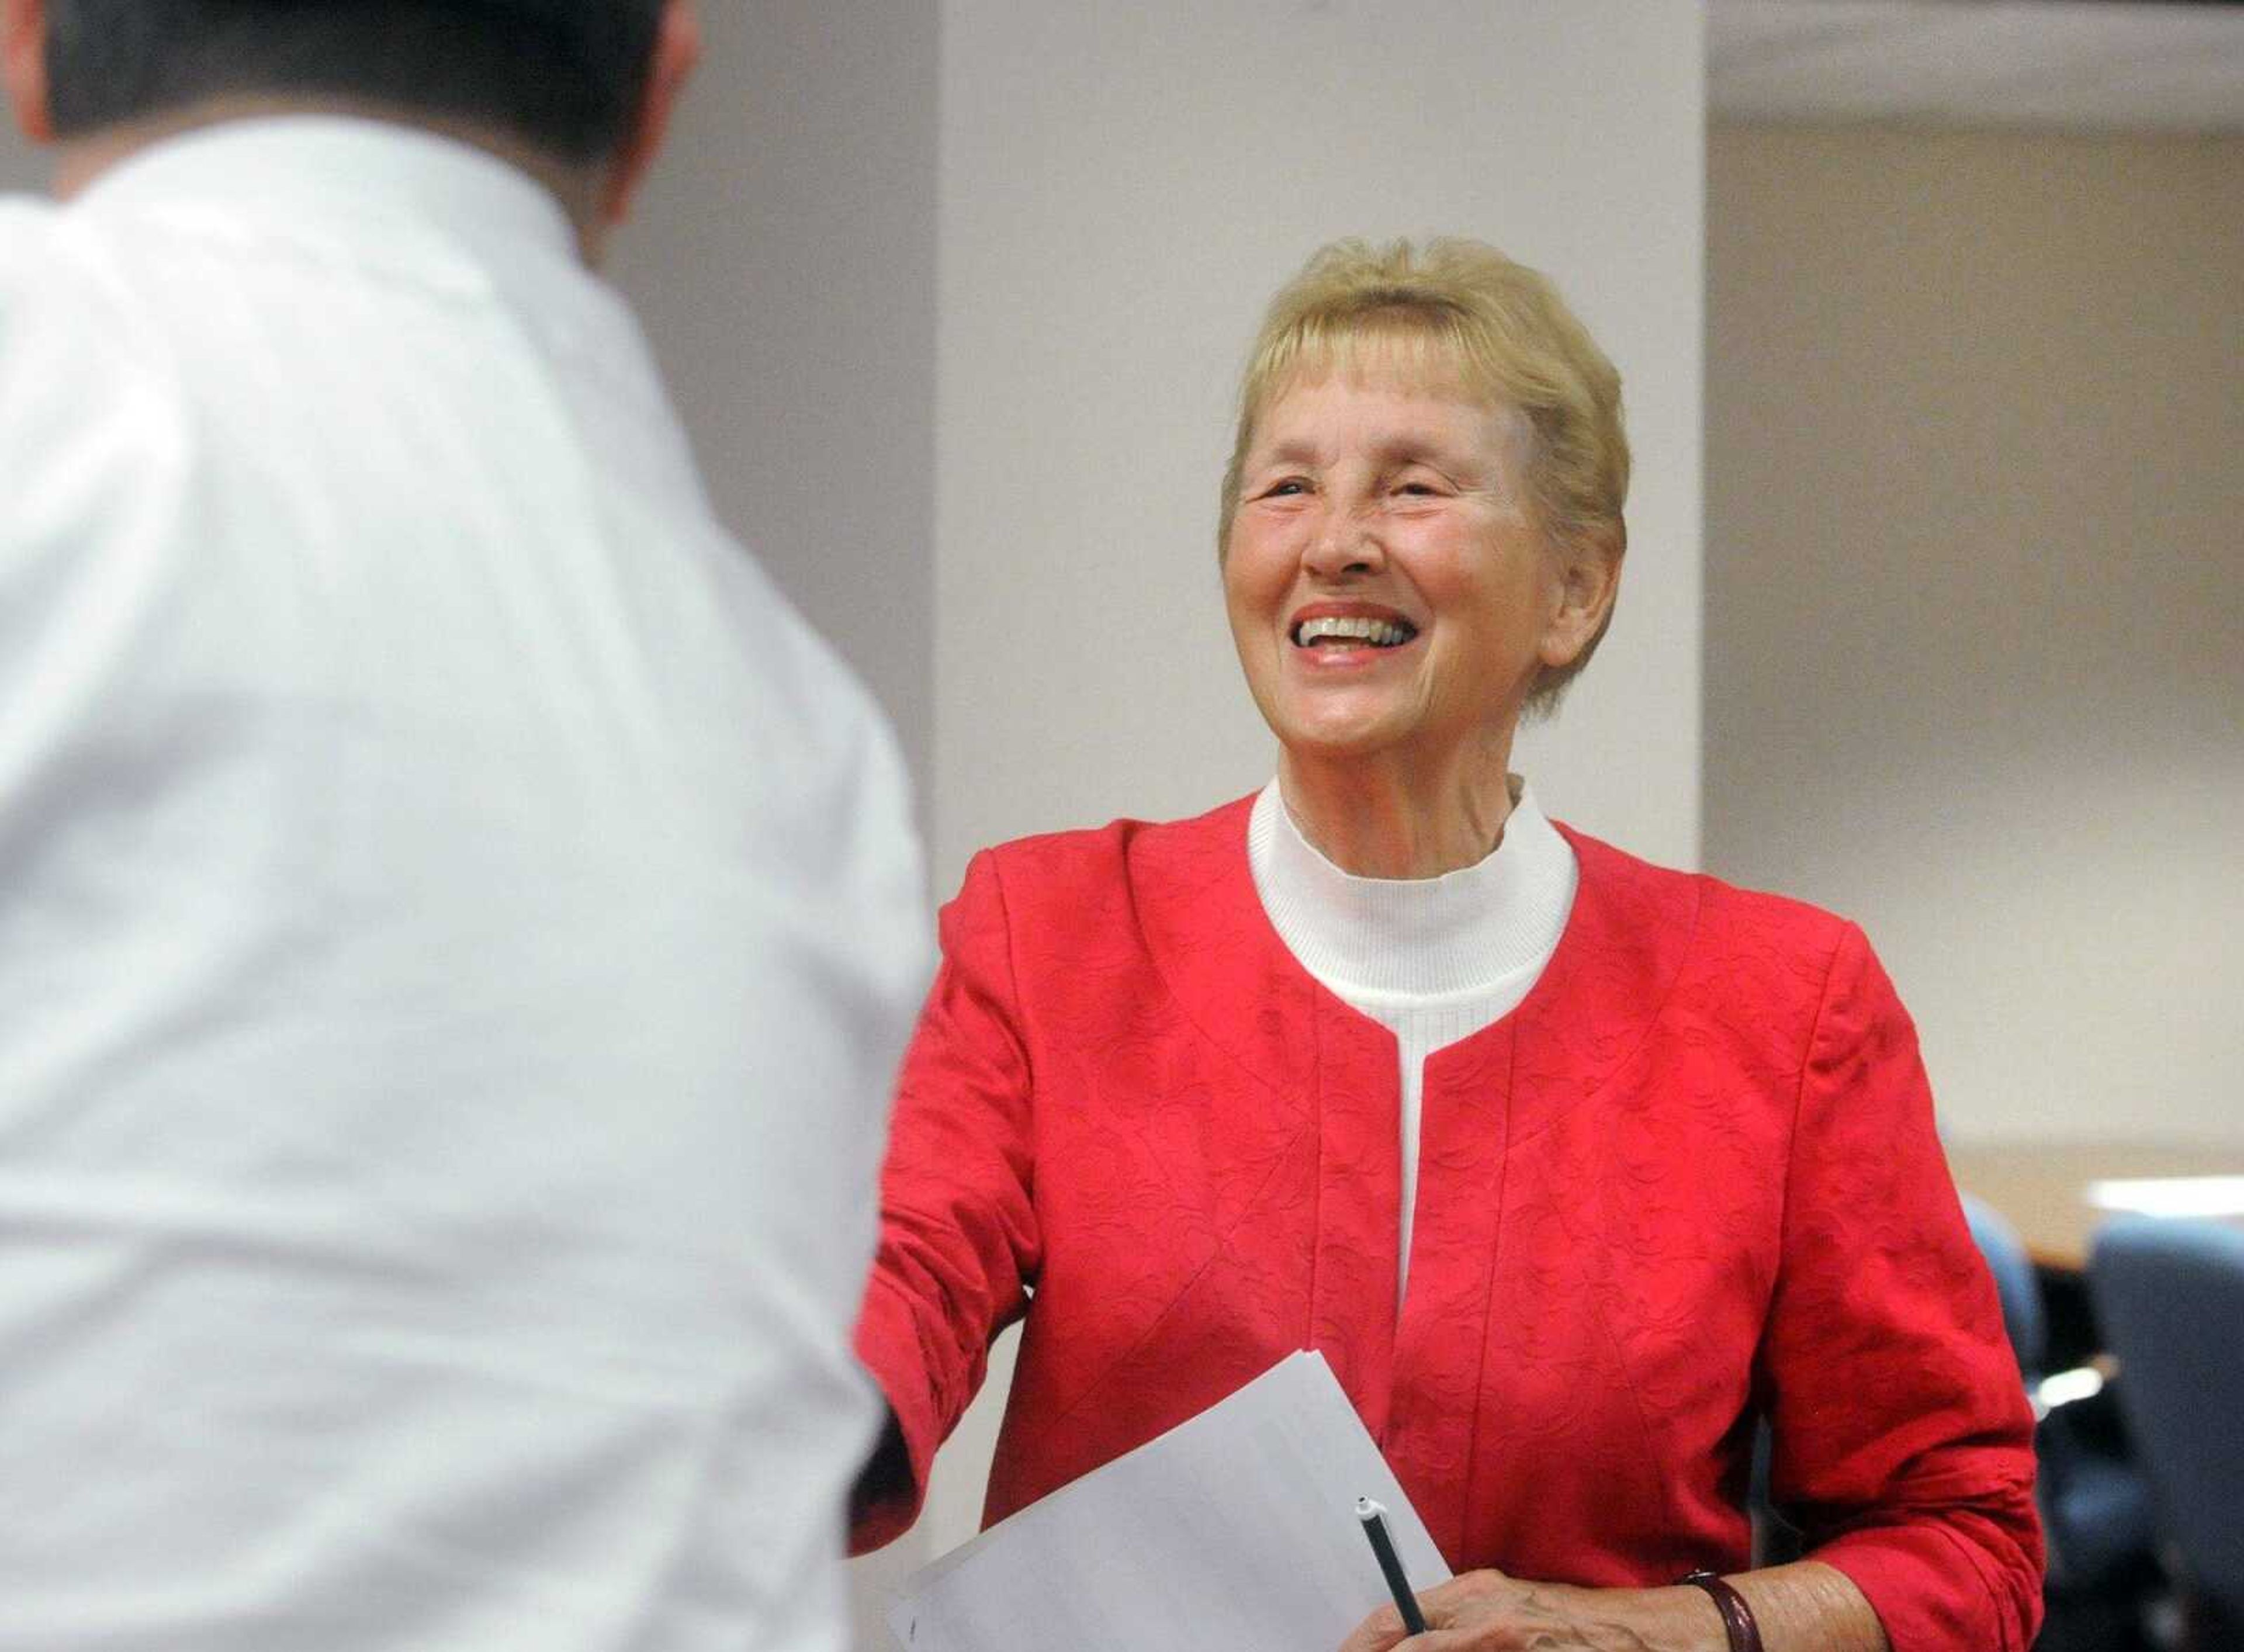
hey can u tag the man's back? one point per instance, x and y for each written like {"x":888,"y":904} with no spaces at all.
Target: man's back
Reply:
{"x":456,"y":926}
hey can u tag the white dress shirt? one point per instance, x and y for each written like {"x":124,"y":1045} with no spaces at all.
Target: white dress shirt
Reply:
{"x":456,"y":930}
{"x":1431,"y":960}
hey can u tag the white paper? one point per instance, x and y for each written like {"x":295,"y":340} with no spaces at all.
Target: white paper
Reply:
{"x":1235,"y":1530}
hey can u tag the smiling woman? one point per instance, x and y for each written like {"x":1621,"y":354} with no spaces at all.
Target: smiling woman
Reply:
{"x":1395,"y":605}
{"x":1577,"y":1170}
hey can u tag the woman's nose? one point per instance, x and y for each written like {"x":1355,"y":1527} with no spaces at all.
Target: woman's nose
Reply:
{"x":1344,"y":543}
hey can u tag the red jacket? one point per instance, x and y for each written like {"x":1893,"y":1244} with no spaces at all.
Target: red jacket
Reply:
{"x":1691,"y":1180}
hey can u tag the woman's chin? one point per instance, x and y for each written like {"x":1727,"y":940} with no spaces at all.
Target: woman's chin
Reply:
{"x":1352,"y":741}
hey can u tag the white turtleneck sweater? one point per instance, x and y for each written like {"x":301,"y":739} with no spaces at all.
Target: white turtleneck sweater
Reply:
{"x":1431,"y":960}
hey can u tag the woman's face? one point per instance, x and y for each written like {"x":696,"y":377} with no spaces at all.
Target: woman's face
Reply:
{"x":1388,"y":588}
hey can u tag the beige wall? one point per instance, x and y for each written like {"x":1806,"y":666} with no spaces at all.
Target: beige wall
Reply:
{"x":1975,"y":596}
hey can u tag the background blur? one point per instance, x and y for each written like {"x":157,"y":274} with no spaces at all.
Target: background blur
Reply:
{"x":1945,"y":301}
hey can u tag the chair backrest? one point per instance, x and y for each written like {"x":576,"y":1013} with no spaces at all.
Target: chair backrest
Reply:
{"x":2015,"y":1284}
{"x":2169,"y":1298}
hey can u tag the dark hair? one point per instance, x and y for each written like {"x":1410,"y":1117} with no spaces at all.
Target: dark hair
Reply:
{"x":565,"y":76}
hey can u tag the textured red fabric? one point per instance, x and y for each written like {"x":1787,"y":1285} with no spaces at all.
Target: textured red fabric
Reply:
{"x":1692,"y":1178}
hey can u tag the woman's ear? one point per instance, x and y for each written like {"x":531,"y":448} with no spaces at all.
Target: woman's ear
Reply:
{"x":23,"y":66}
{"x":676,"y":50}
{"x":1589,"y":580}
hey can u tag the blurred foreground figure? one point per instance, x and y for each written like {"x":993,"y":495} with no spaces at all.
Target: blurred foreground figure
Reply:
{"x":456,"y":925}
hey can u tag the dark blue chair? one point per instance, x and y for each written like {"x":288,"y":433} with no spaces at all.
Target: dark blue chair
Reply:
{"x":2015,"y":1283}
{"x":2169,"y":1295}
{"x":2095,"y":1506}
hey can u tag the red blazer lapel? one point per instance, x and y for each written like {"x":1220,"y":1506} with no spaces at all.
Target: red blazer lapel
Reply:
{"x":1487,"y":1099}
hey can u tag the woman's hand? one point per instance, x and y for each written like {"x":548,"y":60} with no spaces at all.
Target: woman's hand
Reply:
{"x":1488,"y":1612}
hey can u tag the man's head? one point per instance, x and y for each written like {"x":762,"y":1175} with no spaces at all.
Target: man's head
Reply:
{"x":583,"y":86}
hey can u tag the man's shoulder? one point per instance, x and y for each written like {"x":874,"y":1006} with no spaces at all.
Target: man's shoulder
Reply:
{"x":23,"y":216}
{"x":28,"y":242}
{"x":49,"y":248}
{"x":55,"y":275}
{"x":73,"y":351}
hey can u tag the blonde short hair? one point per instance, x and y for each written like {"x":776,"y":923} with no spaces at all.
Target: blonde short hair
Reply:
{"x":1456,"y":312}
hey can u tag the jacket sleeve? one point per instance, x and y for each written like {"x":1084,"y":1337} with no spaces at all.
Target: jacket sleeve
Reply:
{"x":1903,"y":1441}
{"x":958,"y":1243}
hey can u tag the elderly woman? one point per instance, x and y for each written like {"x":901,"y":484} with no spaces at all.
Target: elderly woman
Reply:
{"x":1574,"y":1168}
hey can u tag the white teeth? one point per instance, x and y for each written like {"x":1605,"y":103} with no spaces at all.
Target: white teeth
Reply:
{"x":1381,"y":633}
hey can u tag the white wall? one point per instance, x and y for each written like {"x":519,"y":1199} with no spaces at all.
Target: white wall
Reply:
{"x":1975,"y":623}
{"x":1123,"y":187}
{"x":783,"y":263}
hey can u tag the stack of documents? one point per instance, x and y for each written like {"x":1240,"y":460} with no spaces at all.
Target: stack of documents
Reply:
{"x":1236,"y":1530}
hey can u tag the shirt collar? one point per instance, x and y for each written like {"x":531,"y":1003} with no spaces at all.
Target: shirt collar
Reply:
{"x":340,"y":173}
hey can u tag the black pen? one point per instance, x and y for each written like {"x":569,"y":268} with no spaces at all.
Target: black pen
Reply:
{"x":1375,"y":1528}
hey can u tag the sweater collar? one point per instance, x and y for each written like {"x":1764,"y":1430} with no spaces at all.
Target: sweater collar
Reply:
{"x":1626,"y":938}
{"x":1461,"y":932}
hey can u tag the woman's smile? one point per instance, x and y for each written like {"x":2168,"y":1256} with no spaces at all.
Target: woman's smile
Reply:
{"x":1347,"y":636}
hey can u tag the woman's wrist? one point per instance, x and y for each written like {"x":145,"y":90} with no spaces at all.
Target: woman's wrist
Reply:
{"x":1679,"y":1618}
{"x":1739,"y":1625}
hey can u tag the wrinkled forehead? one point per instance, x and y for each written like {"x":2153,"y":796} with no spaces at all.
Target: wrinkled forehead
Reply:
{"x":1412,"y":362}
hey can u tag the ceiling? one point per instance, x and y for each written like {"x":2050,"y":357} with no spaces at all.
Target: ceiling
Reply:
{"x":2093,"y":66}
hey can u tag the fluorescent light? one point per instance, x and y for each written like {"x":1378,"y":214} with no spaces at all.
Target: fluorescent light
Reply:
{"x":2069,"y":1387}
{"x":2171,"y":1195}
